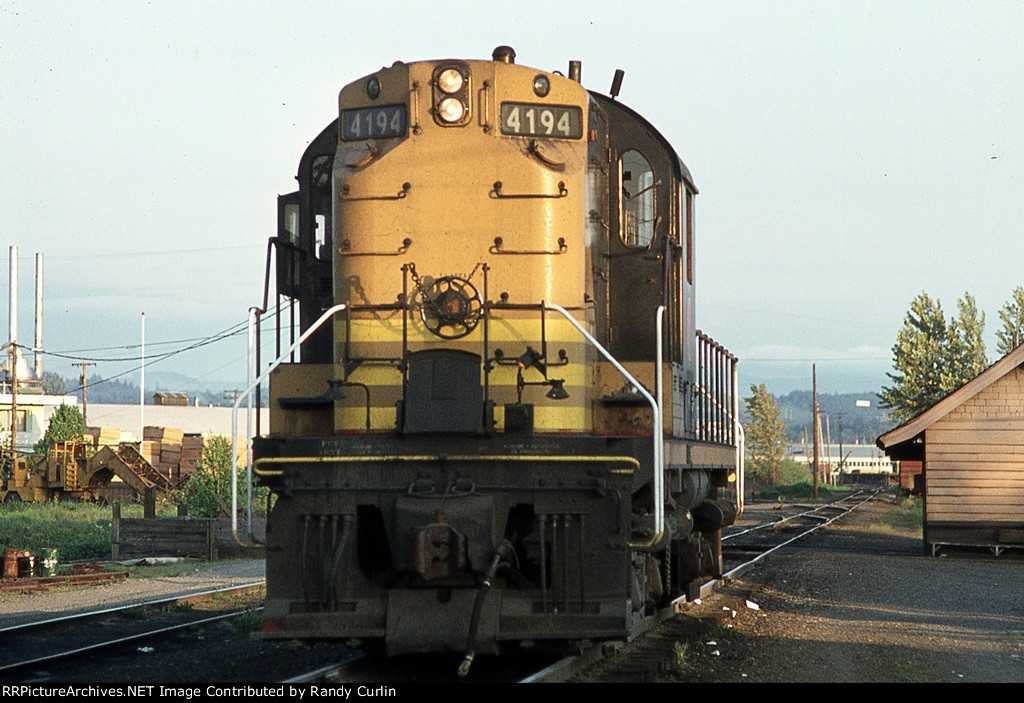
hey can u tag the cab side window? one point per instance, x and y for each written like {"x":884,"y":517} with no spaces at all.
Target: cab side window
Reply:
{"x":637,"y":204}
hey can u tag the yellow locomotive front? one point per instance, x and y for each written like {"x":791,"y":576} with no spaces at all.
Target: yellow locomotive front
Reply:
{"x":458,"y":460}
{"x":459,"y":181}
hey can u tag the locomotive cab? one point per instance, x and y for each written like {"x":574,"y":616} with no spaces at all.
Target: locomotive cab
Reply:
{"x":507,"y":428}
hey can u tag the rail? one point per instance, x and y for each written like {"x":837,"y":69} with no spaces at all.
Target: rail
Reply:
{"x":658,"y":439}
{"x":716,"y":398}
{"x":247,"y":394}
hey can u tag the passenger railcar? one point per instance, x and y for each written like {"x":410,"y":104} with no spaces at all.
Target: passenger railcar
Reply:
{"x":506,"y":429}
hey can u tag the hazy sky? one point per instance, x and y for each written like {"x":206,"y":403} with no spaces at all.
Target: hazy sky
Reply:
{"x":849,"y":156}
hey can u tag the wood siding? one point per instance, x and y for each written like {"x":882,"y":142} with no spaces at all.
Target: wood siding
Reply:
{"x":974,"y":458}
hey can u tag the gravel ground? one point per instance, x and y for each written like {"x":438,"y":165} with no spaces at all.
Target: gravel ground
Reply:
{"x":858,"y":602}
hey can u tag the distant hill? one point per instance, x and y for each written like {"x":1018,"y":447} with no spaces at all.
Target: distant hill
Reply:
{"x":115,"y":391}
{"x":859,"y":424}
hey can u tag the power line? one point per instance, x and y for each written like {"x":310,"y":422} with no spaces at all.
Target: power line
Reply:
{"x":196,"y":343}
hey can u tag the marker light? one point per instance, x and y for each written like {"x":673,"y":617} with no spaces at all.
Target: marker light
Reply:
{"x":373,"y":87}
{"x":541,"y":86}
{"x":451,"y":110}
{"x":450,"y":81}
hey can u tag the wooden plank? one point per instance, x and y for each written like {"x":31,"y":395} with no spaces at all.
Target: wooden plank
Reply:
{"x":961,"y":511}
{"x":980,"y":424}
{"x":1000,"y":494}
{"x":974,"y":437}
{"x":990,"y":452}
{"x":964,"y":517}
{"x":942,"y":465}
{"x":965,"y":486}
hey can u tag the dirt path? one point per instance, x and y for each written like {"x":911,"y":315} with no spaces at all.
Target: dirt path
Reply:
{"x":858,"y":602}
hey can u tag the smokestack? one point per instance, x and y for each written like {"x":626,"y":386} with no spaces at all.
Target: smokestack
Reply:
{"x":38,"y":348}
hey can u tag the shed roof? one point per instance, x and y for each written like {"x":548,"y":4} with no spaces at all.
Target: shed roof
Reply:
{"x":912,"y":429}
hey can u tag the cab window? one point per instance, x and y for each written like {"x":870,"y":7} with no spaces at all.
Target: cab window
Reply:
{"x":637,"y":185}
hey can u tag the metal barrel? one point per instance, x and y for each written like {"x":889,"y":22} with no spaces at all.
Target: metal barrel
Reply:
{"x":11,"y":563}
{"x":49,"y":561}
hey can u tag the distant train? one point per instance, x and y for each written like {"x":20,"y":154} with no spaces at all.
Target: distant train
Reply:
{"x":857,"y":463}
{"x":503,"y":428}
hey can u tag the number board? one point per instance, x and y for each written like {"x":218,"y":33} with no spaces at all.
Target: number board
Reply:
{"x":557,"y":121}
{"x":373,"y":122}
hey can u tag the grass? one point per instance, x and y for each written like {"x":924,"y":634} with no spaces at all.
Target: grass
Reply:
{"x":909,"y":515}
{"x":794,"y":483}
{"x":247,"y":622}
{"x":914,"y":672}
{"x":78,"y":531}
{"x":679,"y":661}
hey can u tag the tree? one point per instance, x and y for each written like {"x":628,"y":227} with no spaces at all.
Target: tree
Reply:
{"x":917,"y":359}
{"x":932,"y":358}
{"x":765,"y":434}
{"x":966,"y":356}
{"x":1012,"y":316}
{"x":66,"y":423}
{"x":207,"y":492}
{"x":53,"y":383}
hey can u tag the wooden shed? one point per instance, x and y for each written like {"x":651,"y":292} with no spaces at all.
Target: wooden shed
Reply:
{"x":971,"y":448}
{"x":170,"y":398}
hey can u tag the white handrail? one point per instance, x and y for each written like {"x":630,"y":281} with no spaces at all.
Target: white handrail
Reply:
{"x":246,"y":394}
{"x":659,"y":439}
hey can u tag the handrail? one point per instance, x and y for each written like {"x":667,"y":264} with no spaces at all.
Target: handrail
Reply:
{"x":739,"y":437}
{"x":234,"y":422}
{"x":659,"y":439}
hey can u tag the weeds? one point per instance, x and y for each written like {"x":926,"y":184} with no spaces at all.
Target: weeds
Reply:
{"x":908,"y":515}
{"x":679,"y":663}
{"x":914,"y":672}
{"x":249,"y":621}
{"x":76,"y":530}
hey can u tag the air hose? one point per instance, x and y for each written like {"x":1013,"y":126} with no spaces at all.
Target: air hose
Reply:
{"x":501,"y":555}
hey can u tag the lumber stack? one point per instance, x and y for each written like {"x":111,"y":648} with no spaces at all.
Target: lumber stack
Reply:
{"x":191,"y":453}
{"x":161,"y":447}
{"x":99,"y":437}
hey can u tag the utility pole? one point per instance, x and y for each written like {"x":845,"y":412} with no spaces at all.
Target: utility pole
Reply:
{"x":814,"y":426}
{"x":85,"y":390}
{"x":14,"y":402}
{"x":842,"y":459}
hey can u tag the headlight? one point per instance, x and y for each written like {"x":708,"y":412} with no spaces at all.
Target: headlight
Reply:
{"x":450,"y":81}
{"x":451,"y":94}
{"x":451,"y":110}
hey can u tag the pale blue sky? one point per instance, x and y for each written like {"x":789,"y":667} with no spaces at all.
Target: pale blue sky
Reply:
{"x":849,"y":156}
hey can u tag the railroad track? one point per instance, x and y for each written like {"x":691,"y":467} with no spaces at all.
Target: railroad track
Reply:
{"x":765,"y":529}
{"x":775,"y":526}
{"x":90,"y":643}
{"x":58,"y":643}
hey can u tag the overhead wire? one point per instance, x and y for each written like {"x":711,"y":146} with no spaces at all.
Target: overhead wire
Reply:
{"x":196,"y":343}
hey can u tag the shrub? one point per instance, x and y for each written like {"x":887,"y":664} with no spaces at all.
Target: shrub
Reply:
{"x":207,"y":492}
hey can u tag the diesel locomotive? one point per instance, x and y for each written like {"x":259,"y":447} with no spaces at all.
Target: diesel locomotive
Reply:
{"x":499,"y":426}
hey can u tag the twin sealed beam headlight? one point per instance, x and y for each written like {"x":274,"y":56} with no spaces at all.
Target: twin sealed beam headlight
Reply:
{"x":451,"y":110}
{"x":450,"y":81}
{"x":451,"y":95}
